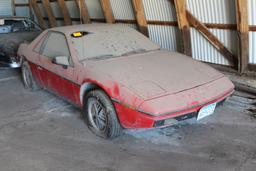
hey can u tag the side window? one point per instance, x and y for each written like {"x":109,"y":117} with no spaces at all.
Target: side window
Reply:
{"x":56,"y":45}
{"x":39,"y":45}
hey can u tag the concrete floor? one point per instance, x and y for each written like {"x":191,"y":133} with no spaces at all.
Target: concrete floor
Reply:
{"x":39,"y":131}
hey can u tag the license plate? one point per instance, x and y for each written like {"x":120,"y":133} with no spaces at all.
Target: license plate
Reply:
{"x":206,"y":111}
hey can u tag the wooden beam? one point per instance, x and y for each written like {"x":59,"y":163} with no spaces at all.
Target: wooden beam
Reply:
{"x":31,"y":15}
{"x":38,"y":14}
{"x":140,"y":16}
{"x":65,"y":12}
{"x":243,"y":34}
{"x":211,"y":38}
{"x":180,"y":6}
{"x":107,"y":10}
{"x":13,"y":8}
{"x":83,"y":10}
{"x":21,"y":5}
{"x":49,"y":13}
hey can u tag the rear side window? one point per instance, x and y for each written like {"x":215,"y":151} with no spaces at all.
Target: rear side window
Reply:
{"x":39,"y":45}
{"x":56,"y":45}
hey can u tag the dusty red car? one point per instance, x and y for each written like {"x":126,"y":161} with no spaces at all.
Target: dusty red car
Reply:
{"x":120,"y":78}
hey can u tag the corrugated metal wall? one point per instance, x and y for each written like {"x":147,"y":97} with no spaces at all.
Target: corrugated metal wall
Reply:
{"x":252,"y":35}
{"x":5,"y":7}
{"x":202,"y":50}
{"x":22,"y":11}
{"x":94,"y":9}
{"x":166,"y":36}
{"x":213,"y":11}
{"x":122,"y":9}
{"x":207,"y":11}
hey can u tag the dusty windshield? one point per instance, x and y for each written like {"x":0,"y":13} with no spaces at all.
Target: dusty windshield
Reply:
{"x":111,"y":41}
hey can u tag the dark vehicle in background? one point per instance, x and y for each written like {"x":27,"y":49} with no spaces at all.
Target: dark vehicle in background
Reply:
{"x":13,"y":32}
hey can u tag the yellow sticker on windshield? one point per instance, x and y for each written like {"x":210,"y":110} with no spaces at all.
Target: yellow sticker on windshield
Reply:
{"x":77,"y":34}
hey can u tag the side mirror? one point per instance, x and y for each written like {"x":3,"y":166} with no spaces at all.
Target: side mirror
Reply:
{"x":61,"y":60}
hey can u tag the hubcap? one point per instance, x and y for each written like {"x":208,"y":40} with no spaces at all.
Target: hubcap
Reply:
{"x":97,"y":114}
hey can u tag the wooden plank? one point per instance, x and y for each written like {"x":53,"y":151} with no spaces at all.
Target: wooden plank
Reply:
{"x":183,"y":24}
{"x":65,"y":12}
{"x":38,"y":14}
{"x":211,"y":38}
{"x":180,"y":7}
{"x":243,"y":34}
{"x":140,"y":16}
{"x":13,"y":8}
{"x":83,"y":10}
{"x":21,"y":5}
{"x":49,"y":13}
{"x":107,"y":10}
{"x":31,"y":15}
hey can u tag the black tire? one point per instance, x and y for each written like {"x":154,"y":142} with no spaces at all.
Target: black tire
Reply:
{"x":106,"y":114}
{"x":27,"y":77}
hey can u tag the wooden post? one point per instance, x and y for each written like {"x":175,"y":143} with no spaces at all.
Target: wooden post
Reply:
{"x":107,"y":10}
{"x":13,"y":8}
{"x":83,"y":10}
{"x":38,"y":14}
{"x":140,"y":16}
{"x":65,"y":13}
{"x":180,"y":6}
{"x":243,"y":34}
{"x":31,"y":10}
{"x":49,"y":12}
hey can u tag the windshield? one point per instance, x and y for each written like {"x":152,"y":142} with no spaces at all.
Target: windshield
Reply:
{"x":111,"y":41}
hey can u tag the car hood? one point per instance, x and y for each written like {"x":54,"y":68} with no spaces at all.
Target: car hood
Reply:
{"x":158,"y":73}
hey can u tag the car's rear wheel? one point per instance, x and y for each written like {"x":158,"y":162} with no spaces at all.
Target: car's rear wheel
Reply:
{"x":27,"y":77}
{"x":101,"y":115}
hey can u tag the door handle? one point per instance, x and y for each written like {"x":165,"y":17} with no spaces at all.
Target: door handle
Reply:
{"x":40,"y":68}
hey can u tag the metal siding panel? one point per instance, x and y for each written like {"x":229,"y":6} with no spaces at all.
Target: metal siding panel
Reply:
{"x":122,"y":9}
{"x":5,"y":8}
{"x":94,"y":8}
{"x":72,"y":8}
{"x":213,"y":11}
{"x":21,"y":1}
{"x":22,"y":11}
{"x":202,"y":50}
{"x":134,"y":26}
{"x":252,"y":47}
{"x":41,"y":7}
{"x":252,"y":12}
{"x":252,"y":35}
{"x":56,"y":9}
{"x":165,"y":36}
{"x":161,"y":10}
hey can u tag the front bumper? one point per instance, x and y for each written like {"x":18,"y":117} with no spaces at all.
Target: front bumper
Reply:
{"x":131,"y":118}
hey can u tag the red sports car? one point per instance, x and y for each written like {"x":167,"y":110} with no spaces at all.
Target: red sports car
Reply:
{"x":120,"y":78}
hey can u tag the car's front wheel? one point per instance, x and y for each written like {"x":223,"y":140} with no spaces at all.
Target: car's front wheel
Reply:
{"x":101,"y":115}
{"x":27,"y":77}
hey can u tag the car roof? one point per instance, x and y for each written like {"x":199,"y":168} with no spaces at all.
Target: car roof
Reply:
{"x":94,"y":27}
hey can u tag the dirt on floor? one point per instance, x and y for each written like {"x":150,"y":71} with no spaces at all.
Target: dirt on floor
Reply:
{"x":39,"y":131}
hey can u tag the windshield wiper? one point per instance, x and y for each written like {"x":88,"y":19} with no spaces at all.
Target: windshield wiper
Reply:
{"x":134,"y":52}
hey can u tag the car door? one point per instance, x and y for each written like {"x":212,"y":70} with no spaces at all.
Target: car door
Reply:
{"x":34,"y":61}
{"x":57,"y":78}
